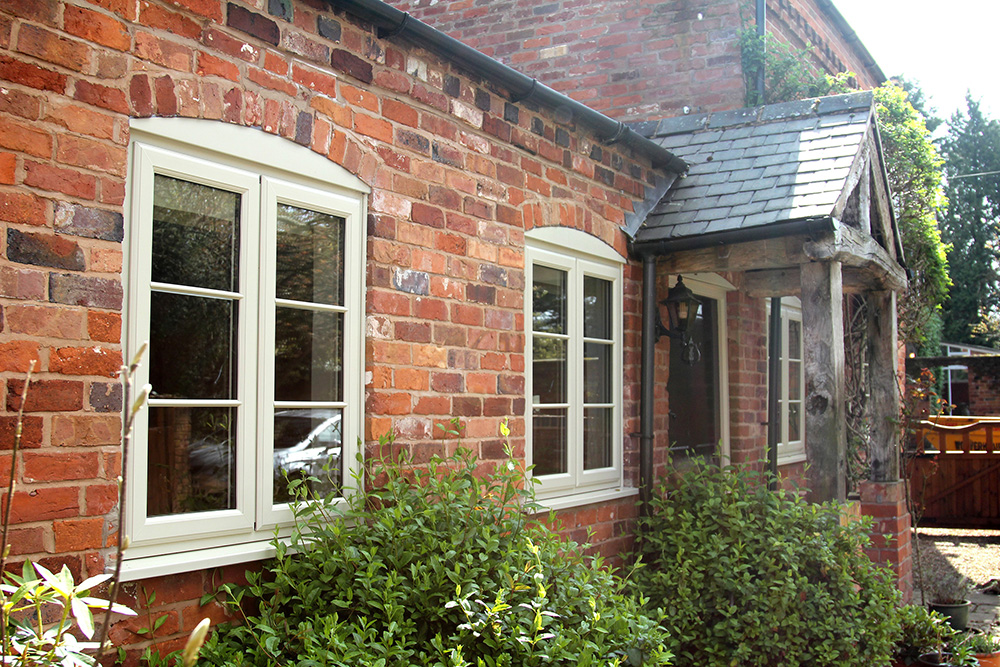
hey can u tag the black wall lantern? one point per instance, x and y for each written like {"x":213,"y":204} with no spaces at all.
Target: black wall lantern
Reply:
{"x":682,"y":311}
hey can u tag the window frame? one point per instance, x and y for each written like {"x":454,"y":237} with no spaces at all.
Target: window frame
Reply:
{"x":579,"y":255}
{"x":789,"y":452}
{"x":228,"y":157}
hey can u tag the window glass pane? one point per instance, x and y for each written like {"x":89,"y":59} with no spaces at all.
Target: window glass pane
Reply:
{"x":794,"y":380}
{"x":794,"y":422}
{"x":196,"y":232}
{"x":548,"y":438}
{"x":548,"y":370}
{"x":597,"y":438}
{"x":548,"y":300}
{"x":694,"y":394}
{"x":597,"y":373}
{"x":309,"y":256}
{"x":191,"y":460}
{"x":307,"y":443}
{"x":794,"y":339}
{"x":308,"y":361}
{"x":596,"y":308}
{"x":192,"y":346}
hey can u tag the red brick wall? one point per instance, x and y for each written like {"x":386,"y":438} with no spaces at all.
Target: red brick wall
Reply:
{"x":984,"y":388}
{"x":637,"y":61}
{"x":458,"y":176}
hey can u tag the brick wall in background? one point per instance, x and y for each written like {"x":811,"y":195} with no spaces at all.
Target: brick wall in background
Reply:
{"x":639,"y":60}
{"x":458,"y":175}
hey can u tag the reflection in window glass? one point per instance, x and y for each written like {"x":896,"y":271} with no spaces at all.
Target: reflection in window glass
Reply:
{"x":307,"y":444}
{"x":191,"y":460}
{"x":307,"y":355}
{"x":548,"y":300}
{"x":597,"y":438}
{"x":196,"y":232}
{"x":548,"y":433}
{"x":597,"y":314}
{"x":548,"y":369}
{"x":309,"y":256}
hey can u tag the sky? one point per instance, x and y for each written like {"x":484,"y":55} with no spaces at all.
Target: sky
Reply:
{"x":948,"y":47}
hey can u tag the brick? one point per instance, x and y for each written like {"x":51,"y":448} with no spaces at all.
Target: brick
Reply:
{"x":31,"y":431}
{"x":209,"y":65}
{"x":229,"y":45}
{"x":44,"y":250}
{"x":141,"y":95}
{"x":329,"y":28}
{"x":81,"y":120}
{"x":400,"y":112}
{"x":211,"y":9}
{"x":59,"y":179}
{"x":300,"y":45}
{"x":78,"y":534}
{"x":46,"y":395}
{"x":166,"y":97}
{"x":27,"y":541}
{"x":44,"y":504}
{"x":46,"y":321}
{"x":24,"y":138}
{"x":52,"y":47}
{"x":96,"y":27}
{"x":60,"y":467}
{"x":105,"y":396}
{"x":376,"y":128}
{"x":315,"y":79}
{"x":164,"y":52}
{"x":105,"y":97}
{"x":17,"y":356}
{"x":256,"y":25}
{"x":350,"y":64}
{"x":85,"y":291}
{"x":155,"y":16}
{"x":86,"y":431}
{"x":85,"y":361}
{"x":100,"y":499}
{"x":24,"y":208}
{"x":281,"y":84}
{"x":31,"y":76}
{"x":88,"y":222}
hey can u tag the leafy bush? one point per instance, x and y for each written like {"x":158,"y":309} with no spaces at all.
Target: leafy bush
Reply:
{"x":921,"y":631}
{"x":754,"y":577}
{"x":436,"y":566}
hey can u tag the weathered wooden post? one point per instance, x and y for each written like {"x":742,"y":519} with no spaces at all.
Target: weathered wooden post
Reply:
{"x":823,"y":352}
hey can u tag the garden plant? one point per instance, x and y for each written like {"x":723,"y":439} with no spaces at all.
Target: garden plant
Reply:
{"x":440,"y":564}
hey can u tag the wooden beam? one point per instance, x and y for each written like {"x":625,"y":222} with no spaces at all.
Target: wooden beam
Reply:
{"x":856,"y":249}
{"x":776,"y":253}
{"x":772,"y":282}
{"x":823,"y":357}
{"x":883,"y":406}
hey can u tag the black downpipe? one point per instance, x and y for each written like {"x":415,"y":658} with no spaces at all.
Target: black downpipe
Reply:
{"x":761,"y":19}
{"x":648,"y":374}
{"x":773,"y":391}
{"x":391,"y":21}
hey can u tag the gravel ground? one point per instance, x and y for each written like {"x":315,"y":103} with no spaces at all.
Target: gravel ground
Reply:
{"x":971,"y":553}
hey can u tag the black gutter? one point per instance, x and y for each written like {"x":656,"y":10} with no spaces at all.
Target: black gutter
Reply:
{"x":392,"y":22}
{"x":814,"y":227}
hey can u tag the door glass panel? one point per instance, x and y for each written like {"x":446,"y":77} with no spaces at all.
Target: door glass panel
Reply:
{"x":794,"y":339}
{"x":548,"y":370}
{"x":794,"y":422}
{"x":596,"y":308}
{"x":309,"y":256}
{"x":195,"y":235}
{"x":548,"y":299}
{"x":794,"y":380}
{"x":693,"y":389}
{"x":308,"y":363}
{"x":192,"y":346}
{"x":548,"y":437}
{"x":307,"y":444}
{"x":597,"y":443}
{"x":191,"y":460}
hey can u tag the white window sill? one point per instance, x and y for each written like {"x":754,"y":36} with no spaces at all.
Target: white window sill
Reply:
{"x":586,"y":498}
{"x":789,"y":459}
{"x":188,"y":561}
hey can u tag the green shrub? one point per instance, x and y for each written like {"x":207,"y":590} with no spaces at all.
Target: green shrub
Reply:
{"x":748,"y":576}
{"x":439,"y":565}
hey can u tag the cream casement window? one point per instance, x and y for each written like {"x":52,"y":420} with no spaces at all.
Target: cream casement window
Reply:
{"x":791,"y":438}
{"x":573,"y":322}
{"x":246,"y":272}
